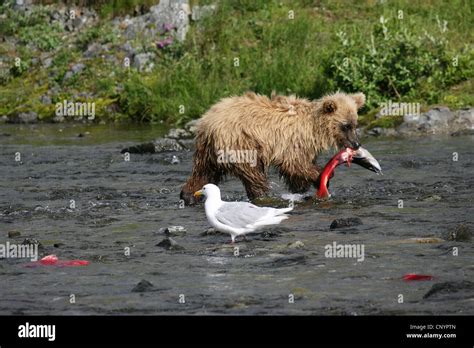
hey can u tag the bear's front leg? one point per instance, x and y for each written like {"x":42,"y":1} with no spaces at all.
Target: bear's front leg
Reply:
{"x":299,"y":178}
{"x":256,"y":186}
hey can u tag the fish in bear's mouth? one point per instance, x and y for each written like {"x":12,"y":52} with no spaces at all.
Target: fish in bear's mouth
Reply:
{"x":347,"y":155}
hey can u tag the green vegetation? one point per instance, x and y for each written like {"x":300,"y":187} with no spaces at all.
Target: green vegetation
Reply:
{"x":386,"y":122}
{"x":398,"y":62}
{"x":301,"y":47}
{"x":45,"y":37}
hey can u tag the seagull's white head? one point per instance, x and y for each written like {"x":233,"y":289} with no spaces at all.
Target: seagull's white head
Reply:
{"x":209,"y":191}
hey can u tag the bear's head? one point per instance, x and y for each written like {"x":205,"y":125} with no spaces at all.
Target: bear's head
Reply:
{"x":338,"y":114}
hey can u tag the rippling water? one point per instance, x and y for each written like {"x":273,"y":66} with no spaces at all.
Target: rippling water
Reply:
{"x":121,"y":205}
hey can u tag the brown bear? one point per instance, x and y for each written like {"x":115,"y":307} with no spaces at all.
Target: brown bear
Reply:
{"x":243,"y":136}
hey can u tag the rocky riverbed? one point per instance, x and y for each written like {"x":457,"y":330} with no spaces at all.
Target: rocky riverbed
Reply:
{"x":437,"y":120}
{"x":148,"y":255}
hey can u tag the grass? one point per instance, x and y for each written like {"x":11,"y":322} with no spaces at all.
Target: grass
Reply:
{"x":254,"y":45}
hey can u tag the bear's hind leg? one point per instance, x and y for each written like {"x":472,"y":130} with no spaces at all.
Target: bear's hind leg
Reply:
{"x":255,"y":182}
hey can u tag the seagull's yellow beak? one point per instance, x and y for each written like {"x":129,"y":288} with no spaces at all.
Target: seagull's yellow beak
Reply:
{"x":198,"y":193}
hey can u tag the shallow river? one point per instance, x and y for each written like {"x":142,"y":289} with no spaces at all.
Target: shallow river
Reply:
{"x":121,"y":205}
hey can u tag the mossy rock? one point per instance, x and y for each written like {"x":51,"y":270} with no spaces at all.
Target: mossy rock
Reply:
{"x":367,"y":118}
{"x":270,"y":202}
{"x":386,"y":122}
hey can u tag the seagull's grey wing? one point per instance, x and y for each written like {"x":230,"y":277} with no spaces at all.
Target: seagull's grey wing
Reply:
{"x":240,"y":214}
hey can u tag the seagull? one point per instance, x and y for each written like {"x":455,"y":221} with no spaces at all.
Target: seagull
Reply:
{"x":237,"y":218}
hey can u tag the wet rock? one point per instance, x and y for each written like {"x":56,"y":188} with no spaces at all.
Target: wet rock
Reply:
{"x":280,"y":260}
{"x":191,"y":126}
{"x":379,"y":131}
{"x":464,"y":120}
{"x":25,"y":117}
{"x":159,"y":145}
{"x":438,"y":120}
{"x":143,"y":286}
{"x":270,"y":201}
{"x":32,"y":241}
{"x":241,"y":302}
{"x":166,"y":144}
{"x":457,"y":289}
{"x":296,"y":245}
{"x":140,"y":149}
{"x":462,"y":132}
{"x":179,"y":133}
{"x":268,"y":236}
{"x":461,"y":233}
{"x":424,"y":240}
{"x":59,"y":119}
{"x":348,"y":222}
{"x":433,"y":198}
{"x":173,"y":231}
{"x":211,"y":232}
{"x":170,"y":244}
{"x":13,"y":234}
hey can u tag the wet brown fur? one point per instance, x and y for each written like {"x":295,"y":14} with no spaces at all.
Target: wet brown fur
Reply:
{"x":287,"y":132}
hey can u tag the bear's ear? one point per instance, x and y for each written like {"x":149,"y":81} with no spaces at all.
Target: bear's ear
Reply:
{"x":359,"y":99}
{"x":329,"y":106}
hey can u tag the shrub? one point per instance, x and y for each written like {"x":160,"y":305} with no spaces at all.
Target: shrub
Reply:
{"x":396,"y":62}
{"x":44,"y":36}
